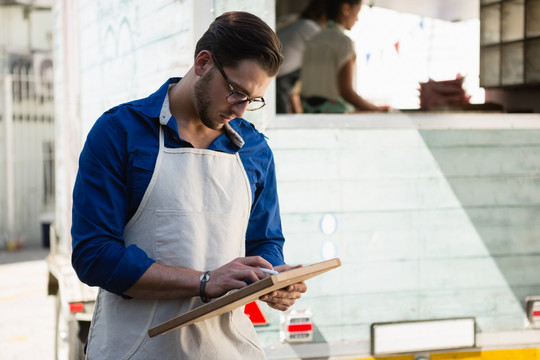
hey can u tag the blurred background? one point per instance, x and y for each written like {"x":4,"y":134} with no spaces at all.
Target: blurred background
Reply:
{"x":432,"y":208}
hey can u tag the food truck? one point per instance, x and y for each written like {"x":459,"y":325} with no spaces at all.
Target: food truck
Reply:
{"x":432,"y":211}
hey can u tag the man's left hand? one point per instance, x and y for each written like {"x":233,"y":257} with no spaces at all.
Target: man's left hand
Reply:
{"x":283,"y":299}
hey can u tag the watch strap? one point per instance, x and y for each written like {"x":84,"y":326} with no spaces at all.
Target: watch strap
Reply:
{"x":202,"y":289}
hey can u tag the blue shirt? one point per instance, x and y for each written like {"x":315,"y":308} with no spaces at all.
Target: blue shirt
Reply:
{"x":115,"y":168}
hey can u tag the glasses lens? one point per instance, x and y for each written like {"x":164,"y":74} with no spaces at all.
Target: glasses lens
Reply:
{"x":255,"y":105}
{"x":236,"y":98}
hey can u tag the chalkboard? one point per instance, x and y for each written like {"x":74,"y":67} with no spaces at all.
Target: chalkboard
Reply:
{"x":252,"y":292}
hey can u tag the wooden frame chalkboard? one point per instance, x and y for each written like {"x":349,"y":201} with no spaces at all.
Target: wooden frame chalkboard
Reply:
{"x":247,"y":294}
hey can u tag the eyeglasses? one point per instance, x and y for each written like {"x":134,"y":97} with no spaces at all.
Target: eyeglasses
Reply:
{"x":237,"y":97}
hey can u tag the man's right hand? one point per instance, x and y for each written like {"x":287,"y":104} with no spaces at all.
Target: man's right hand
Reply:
{"x":235,"y":275}
{"x":167,"y":282}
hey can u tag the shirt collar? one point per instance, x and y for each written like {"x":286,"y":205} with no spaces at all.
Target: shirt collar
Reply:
{"x":165,"y":112}
{"x":233,"y":135}
{"x":331,"y":24}
{"x":154,"y":103}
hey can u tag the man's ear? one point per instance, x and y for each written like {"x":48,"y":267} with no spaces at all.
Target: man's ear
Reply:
{"x":203,"y":62}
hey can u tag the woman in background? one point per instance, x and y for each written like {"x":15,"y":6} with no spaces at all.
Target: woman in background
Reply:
{"x":294,"y":38}
{"x":329,"y":63}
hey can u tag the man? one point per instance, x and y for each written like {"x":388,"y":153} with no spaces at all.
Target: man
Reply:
{"x":173,"y":191}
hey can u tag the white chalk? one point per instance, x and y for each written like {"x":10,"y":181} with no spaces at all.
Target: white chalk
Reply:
{"x":268,"y":271}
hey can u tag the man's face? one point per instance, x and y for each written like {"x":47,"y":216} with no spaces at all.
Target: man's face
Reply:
{"x":212,"y":89}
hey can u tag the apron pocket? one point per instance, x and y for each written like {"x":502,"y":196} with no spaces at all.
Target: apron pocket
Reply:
{"x":202,"y":241}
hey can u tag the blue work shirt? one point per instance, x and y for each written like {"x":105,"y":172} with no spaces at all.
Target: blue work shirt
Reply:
{"x":115,"y":168}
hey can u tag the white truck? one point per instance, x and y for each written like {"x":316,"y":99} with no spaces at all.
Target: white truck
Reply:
{"x":433,"y":215}
{"x":74,"y":303}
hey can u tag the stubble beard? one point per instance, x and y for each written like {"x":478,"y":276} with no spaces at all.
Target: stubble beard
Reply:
{"x":203,"y":101}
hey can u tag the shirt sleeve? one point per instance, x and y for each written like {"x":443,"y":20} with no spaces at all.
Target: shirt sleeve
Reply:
{"x":100,"y":207}
{"x":344,"y":51}
{"x":264,"y":235}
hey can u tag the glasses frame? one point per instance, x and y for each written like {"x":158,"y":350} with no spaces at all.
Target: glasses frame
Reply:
{"x":233,"y":91}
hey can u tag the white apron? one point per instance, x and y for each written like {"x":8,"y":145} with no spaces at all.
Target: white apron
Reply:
{"x":194,"y":214}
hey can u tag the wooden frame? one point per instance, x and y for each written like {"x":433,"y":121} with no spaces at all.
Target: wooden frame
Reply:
{"x":247,"y":294}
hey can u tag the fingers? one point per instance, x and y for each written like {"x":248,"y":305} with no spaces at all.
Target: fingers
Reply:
{"x":236,"y":274}
{"x":255,"y":264}
{"x":286,"y":267}
{"x":255,"y":261}
{"x":283,"y":299}
{"x":244,"y":270}
{"x":300,"y":287}
{"x":291,"y":292}
{"x":279,"y":303}
{"x":279,"y":306}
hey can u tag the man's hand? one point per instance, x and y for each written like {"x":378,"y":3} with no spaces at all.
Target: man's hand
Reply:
{"x":167,"y":282}
{"x":234,"y":275}
{"x":283,"y":299}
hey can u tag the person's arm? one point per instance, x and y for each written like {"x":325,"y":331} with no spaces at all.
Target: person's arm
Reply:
{"x":346,"y":89}
{"x":166,"y":282}
{"x":100,"y":206}
{"x":265,"y":237}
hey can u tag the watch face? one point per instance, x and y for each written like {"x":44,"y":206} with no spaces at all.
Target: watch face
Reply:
{"x":205,"y":277}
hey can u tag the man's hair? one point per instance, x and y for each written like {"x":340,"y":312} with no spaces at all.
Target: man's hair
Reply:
{"x":236,"y":36}
{"x":333,"y":7}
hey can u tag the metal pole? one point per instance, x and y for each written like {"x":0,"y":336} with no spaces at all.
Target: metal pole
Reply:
{"x":7,"y":117}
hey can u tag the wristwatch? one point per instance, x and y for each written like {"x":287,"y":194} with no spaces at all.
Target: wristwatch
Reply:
{"x":204,"y":279}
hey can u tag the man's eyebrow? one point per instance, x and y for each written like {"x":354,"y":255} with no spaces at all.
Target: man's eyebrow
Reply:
{"x":239,"y":87}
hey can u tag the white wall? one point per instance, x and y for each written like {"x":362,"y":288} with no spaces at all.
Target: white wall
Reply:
{"x":431,"y":223}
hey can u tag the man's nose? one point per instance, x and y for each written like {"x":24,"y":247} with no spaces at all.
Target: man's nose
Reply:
{"x":240,"y":109}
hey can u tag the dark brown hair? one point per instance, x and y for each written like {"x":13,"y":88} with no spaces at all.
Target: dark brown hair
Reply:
{"x":238,"y":35}
{"x":315,"y":10}
{"x":333,"y":7}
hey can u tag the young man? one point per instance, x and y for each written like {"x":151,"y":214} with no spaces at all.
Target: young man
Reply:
{"x":175,"y":204}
